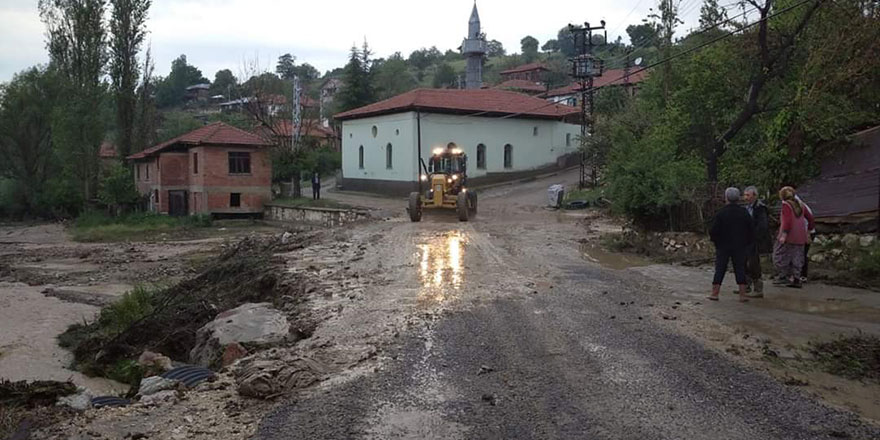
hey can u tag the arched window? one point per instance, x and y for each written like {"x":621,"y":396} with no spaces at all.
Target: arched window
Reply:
{"x":508,"y":156}
{"x":567,"y":139}
{"x":361,"y":157}
{"x":388,"y":157}
{"x":375,"y":131}
{"x":481,"y":156}
{"x":534,"y":131}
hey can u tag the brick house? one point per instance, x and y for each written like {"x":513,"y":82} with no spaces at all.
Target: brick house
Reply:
{"x":533,"y":72}
{"x":216,"y":169}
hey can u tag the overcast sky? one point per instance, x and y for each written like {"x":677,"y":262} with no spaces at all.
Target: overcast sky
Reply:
{"x":223,"y":34}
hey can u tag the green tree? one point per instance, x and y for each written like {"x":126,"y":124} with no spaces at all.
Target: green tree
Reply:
{"x":566,"y":42}
{"x":286,"y":66}
{"x":26,"y":105}
{"x":711,"y":14}
{"x":642,"y":35}
{"x":357,"y":77}
{"x":423,"y":58}
{"x":445,"y":76}
{"x":127,"y":31}
{"x":306,"y":72}
{"x":392,"y":77}
{"x":551,"y":46}
{"x":170,"y":91}
{"x":494,"y":48}
{"x":225,"y":83}
{"x":146,"y":114}
{"x":117,"y":189}
{"x":78,"y":53}
{"x":529,"y":47}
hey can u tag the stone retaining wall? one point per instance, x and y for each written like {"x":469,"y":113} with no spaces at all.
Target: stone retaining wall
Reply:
{"x":328,"y":217}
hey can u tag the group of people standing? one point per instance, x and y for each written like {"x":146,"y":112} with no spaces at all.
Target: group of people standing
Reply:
{"x":741,"y":234}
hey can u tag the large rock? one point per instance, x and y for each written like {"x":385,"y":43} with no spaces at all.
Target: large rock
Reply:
{"x":255,"y":323}
{"x":80,"y":401}
{"x":867,"y":240}
{"x":154,"y":362}
{"x":851,"y":241}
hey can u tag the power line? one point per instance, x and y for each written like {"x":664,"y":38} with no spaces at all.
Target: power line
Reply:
{"x":699,"y":32}
{"x":678,"y":55}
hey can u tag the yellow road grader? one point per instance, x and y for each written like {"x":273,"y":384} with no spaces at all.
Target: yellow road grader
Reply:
{"x":443,"y":185}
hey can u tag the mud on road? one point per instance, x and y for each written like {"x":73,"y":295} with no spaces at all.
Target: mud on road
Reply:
{"x":512,"y":325}
{"x":515,"y":329}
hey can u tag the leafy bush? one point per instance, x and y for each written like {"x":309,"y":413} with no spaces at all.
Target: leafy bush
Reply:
{"x":133,"y":306}
{"x":117,"y":188}
{"x":868,"y":265}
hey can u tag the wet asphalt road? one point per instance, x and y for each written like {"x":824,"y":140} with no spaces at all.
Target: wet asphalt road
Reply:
{"x":583,"y":360}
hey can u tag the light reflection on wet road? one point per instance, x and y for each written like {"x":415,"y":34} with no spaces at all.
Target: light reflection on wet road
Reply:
{"x":441,"y":267}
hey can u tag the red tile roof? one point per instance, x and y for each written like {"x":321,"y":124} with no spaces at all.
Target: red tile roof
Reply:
{"x":521,"y":84}
{"x":107,"y":151}
{"x":525,"y":68}
{"x":311,"y":127}
{"x":608,"y":78}
{"x":482,"y":102}
{"x":216,"y":133}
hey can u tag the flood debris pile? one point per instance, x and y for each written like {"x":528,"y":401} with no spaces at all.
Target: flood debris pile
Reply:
{"x":167,"y":320}
{"x":25,"y":406}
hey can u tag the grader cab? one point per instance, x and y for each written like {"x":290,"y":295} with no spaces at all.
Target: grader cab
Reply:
{"x":443,"y":183}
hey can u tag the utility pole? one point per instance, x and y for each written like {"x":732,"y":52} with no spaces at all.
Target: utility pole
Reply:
{"x":585,"y":67}
{"x":297,"y":113}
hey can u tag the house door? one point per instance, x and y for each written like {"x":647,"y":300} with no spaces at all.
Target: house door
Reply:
{"x":177,"y":203}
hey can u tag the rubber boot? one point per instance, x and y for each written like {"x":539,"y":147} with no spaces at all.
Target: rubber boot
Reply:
{"x":716,"y":291}
{"x":758,"y":290}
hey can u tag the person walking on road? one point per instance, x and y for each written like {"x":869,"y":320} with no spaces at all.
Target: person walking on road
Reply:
{"x":316,"y":186}
{"x":763,"y":243}
{"x":788,"y":252}
{"x":733,"y":233}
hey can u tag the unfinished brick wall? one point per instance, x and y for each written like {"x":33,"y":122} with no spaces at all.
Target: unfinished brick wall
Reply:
{"x":204,"y":173}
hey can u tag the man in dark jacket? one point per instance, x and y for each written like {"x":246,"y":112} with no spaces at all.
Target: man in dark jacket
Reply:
{"x":316,"y":186}
{"x":733,"y":233}
{"x":763,"y":242}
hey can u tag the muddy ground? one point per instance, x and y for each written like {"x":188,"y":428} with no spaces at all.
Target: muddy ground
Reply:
{"x":514,"y":325}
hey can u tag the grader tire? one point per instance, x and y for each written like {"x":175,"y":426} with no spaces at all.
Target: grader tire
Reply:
{"x":461,"y":205}
{"x":415,"y":207}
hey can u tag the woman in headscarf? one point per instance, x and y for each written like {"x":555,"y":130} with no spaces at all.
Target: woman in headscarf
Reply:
{"x":788,"y":253}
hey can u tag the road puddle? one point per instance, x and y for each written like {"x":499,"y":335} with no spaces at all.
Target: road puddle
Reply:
{"x":611,"y":260}
{"x":441,"y":267}
{"x":848,"y":309}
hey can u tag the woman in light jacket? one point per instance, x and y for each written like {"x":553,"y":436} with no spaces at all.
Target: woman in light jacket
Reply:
{"x":788,"y":252}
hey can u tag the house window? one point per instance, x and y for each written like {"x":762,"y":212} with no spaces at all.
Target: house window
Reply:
{"x":481,"y":157}
{"x":508,"y":156}
{"x":138,"y":171}
{"x":375,"y":131}
{"x":147,"y":169}
{"x":388,"y":157}
{"x":567,"y":139}
{"x":195,"y":163}
{"x":234,"y":200}
{"x":361,"y":157}
{"x":534,"y":131}
{"x":239,"y":163}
